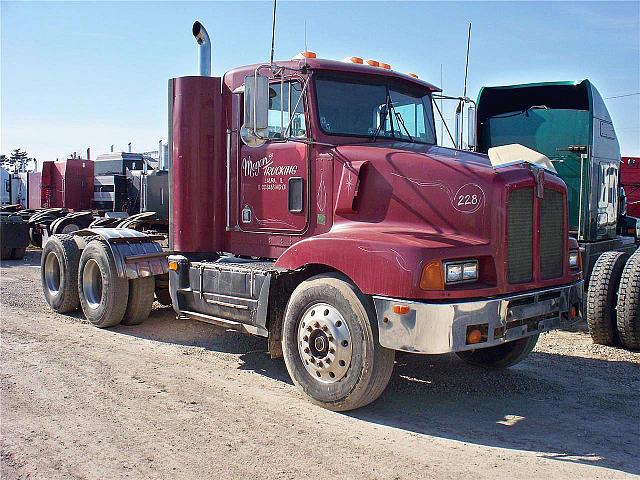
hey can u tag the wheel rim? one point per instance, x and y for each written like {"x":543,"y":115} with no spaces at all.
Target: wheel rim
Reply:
{"x":92,"y":283}
{"x":324,"y":343}
{"x":52,"y":273}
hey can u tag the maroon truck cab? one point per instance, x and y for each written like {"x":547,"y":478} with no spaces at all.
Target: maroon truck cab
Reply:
{"x":310,"y":204}
{"x":395,"y":214}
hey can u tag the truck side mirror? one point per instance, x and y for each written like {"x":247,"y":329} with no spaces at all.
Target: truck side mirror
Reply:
{"x":256,"y":110}
{"x":471,"y":125}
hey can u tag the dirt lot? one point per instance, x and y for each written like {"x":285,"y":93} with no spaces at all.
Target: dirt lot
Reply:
{"x":179,"y":398}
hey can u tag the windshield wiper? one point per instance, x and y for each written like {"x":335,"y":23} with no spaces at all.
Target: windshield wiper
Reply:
{"x":401,"y":122}
{"x":383,"y":118}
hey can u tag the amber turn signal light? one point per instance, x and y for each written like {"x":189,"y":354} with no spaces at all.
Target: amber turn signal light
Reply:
{"x":173,"y":265}
{"x":432,"y":277}
{"x":401,"y":309}
{"x":474,"y":336}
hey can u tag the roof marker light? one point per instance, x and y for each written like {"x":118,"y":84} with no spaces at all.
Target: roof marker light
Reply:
{"x":353,"y":60}
{"x":305,"y":54}
{"x":373,"y":63}
{"x":412,"y":75}
{"x":386,"y":66}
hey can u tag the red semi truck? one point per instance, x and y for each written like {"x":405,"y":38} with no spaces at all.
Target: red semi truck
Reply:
{"x":310,"y":204}
{"x":630,"y":180}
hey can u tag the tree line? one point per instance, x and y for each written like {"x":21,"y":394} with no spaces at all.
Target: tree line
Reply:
{"x":17,"y":161}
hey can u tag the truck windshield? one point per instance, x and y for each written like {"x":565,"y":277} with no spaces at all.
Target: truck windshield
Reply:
{"x":365,"y":108}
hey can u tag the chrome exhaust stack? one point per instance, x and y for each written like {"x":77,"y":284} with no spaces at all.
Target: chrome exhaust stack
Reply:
{"x":202,"y":37}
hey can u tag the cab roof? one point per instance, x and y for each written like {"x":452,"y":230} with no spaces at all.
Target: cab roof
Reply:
{"x":234,"y":78}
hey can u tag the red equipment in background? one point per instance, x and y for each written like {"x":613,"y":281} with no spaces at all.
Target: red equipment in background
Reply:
{"x":67,"y":184}
{"x":630,"y":180}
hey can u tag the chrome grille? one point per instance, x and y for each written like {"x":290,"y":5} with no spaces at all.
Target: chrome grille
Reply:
{"x":551,"y":234}
{"x":520,"y":235}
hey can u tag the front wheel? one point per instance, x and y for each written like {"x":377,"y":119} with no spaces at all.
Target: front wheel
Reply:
{"x":330,"y":344}
{"x":500,"y":356}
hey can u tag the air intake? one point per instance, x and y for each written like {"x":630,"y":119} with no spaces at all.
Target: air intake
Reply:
{"x":520,"y":235}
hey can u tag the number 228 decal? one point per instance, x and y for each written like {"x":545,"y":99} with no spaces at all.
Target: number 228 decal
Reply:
{"x":468,"y":199}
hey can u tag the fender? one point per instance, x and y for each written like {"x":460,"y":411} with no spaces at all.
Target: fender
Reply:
{"x":136,"y":254}
{"x":379,"y":261}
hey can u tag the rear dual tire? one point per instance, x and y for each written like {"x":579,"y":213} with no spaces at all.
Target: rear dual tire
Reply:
{"x":602,"y":297}
{"x":59,"y":273}
{"x":108,"y":299}
{"x":628,"y":305}
{"x":103,"y":293}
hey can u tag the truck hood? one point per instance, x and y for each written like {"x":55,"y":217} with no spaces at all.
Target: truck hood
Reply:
{"x":434,"y":190}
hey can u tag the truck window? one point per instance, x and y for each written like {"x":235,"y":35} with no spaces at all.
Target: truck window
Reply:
{"x":285,"y":106}
{"x":354,"y":107}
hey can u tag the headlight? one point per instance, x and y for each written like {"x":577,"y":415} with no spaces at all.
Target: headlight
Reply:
{"x":574,"y":260}
{"x":466,"y":271}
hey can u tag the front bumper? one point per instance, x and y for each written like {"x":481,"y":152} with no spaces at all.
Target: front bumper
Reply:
{"x":442,"y":327}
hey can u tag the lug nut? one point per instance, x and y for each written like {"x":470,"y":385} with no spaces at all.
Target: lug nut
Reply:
{"x":327,"y":361}
{"x":317,"y":325}
{"x":324,"y":328}
{"x":306,"y":350}
{"x":332,"y":350}
{"x":320,"y":364}
{"x":305,"y":338}
{"x":309,"y":329}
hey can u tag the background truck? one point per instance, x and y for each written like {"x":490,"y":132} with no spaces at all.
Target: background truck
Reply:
{"x":311,"y":205}
{"x":630,"y":180}
{"x":569,"y":123}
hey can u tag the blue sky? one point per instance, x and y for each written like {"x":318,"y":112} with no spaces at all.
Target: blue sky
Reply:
{"x":79,"y":74}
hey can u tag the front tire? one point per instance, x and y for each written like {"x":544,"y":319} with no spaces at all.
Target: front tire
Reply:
{"x":500,"y":356}
{"x":330,"y":344}
{"x":103,"y":293}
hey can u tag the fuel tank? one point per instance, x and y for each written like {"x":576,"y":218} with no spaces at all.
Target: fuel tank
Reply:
{"x":196,"y":218}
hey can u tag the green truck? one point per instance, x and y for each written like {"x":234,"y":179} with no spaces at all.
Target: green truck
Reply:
{"x":569,"y":123}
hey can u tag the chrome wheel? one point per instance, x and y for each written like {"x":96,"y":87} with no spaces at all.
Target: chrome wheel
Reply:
{"x":324,"y":343}
{"x":92,"y":283}
{"x":52,"y":273}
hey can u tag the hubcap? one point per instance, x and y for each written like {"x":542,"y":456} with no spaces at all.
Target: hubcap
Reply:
{"x":92,"y":283}
{"x":52,"y":273}
{"x":324,"y":343}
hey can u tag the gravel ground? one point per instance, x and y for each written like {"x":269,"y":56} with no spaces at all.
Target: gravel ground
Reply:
{"x":179,"y":398}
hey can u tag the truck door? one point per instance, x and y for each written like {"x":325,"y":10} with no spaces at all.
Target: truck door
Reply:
{"x":272,"y":180}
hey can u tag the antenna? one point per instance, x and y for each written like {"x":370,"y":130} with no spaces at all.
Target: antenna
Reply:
{"x":305,"y":35}
{"x":466,"y":65}
{"x":460,"y":108}
{"x":273,"y":30}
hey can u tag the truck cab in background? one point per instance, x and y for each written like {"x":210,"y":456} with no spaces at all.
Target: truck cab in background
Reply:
{"x":569,"y":123}
{"x":310,"y":204}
